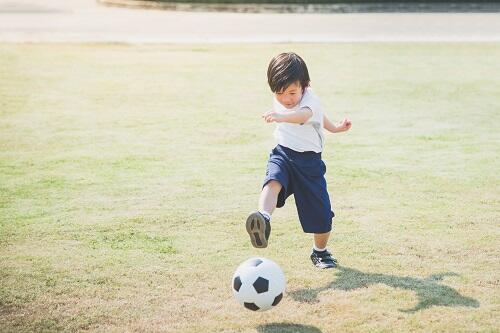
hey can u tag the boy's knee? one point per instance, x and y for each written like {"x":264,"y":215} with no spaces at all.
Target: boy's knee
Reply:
{"x":274,"y":186}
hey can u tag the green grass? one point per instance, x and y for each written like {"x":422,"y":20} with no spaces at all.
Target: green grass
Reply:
{"x":126,"y":173}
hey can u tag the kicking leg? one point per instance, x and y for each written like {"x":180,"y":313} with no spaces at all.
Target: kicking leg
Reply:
{"x":269,"y":197}
{"x":258,"y":223}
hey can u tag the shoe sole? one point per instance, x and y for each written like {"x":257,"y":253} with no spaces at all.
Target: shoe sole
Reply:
{"x":256,"y":228}
{"x":325,"y":266}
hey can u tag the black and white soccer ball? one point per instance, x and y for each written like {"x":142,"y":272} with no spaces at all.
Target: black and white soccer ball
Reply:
{"x":259,"y":284}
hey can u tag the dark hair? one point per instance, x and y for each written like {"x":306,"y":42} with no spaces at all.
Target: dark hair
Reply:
{"x":285,"y":69}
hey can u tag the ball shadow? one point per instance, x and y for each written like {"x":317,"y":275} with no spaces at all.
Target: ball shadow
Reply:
{"x":429,"y":291}
{"x":287,"y":328}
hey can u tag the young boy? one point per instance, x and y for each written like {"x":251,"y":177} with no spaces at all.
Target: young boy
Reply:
{"x":295,"y":165}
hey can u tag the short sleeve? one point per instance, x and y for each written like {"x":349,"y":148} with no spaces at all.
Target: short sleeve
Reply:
{"x":312,"y":102}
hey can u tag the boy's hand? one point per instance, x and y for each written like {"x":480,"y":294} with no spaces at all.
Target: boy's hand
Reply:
{"x":271,"y":116}
{"x":344,"y":125}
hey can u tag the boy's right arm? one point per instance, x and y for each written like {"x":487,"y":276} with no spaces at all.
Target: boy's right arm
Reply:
{"x":296,"y":117}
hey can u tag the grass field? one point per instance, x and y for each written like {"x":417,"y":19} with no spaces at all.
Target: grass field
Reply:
{"x":126,"y":174}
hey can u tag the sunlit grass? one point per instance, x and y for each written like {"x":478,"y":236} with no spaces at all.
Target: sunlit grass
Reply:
{"x":126,"y":173}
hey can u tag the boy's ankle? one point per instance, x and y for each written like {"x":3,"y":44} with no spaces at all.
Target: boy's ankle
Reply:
{"x":318,"y":249}
{"x":266,"y":215}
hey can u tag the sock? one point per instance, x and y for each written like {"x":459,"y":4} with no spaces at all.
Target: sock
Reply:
{"x":317,"y":249}
{"x":266,"y":215}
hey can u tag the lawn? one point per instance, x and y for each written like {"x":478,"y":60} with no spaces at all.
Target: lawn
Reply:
{"x":127,"y":171}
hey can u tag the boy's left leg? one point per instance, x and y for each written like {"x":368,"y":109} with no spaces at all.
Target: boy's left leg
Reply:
{"x":321,"y":257}
{"x":321,"y":240}
{"x":315,"y":211}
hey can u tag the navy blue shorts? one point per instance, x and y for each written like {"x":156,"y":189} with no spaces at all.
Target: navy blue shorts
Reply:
{"x":303,"y":175}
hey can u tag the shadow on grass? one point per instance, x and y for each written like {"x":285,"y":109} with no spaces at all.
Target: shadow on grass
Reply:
{"x":287,"y":328}
{"x":429,"y":291}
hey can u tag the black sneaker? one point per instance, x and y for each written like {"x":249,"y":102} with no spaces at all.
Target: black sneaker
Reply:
{"x":259,"y":229}
{"x":323,"y":259}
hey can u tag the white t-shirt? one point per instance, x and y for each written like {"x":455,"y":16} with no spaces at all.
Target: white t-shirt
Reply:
{"x":301,"y":137}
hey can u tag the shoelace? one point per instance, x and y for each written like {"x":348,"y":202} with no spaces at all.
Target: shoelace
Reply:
{"x":327,"y":257}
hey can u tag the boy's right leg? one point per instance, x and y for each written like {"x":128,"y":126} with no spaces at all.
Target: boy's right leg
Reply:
{"x":258,"y":223}
{"x":269,"y":197}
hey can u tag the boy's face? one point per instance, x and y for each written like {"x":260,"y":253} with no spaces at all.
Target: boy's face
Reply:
{"x":290,"y":96}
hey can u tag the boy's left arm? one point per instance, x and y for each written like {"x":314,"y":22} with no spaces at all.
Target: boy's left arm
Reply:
{"x":341,"y":126}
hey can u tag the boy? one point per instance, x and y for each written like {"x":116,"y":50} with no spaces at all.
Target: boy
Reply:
{"x":295,"y":165}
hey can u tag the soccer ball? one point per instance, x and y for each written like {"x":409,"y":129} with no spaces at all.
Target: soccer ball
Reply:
{"x":258,"y":284}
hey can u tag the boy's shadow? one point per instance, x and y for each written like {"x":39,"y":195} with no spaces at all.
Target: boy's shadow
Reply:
{"x":429,"y":291}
